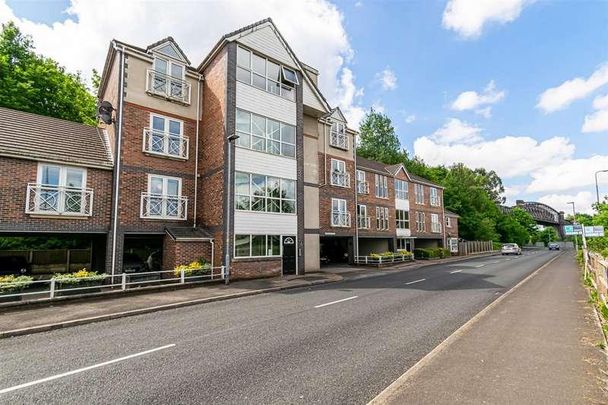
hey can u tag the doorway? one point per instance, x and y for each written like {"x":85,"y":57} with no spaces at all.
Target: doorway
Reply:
{"x":289,"y":255}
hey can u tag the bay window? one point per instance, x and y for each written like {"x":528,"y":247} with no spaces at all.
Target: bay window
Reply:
{"x":266,"y":75}
{"x":256,"y":192}
{"x":257,"y":246}
{"x":264,"y":134}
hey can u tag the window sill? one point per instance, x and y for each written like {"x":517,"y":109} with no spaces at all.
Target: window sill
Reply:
{"x":49,"y":215}
{"x":169,"y":99}
{"x":267,"y":92}
{"x":290,"y":214}
{"x":163,"y":218}
{"x":264,"y":152}
{"x":344,"y":148}
{"x":339,"y":185}
{"x":164,"y":155}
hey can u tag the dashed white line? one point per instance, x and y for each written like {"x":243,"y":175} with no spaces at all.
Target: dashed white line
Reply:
{"x":80,"y":370}
{"x":415,"y":281}
{"x":480,"y":265}
{"x":335,"y":302}
{"x":455,"y":271}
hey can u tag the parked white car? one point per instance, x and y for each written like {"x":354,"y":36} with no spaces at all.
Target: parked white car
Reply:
{"x":510,"y":249}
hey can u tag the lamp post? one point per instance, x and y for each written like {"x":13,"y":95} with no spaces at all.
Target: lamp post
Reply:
{"x":230,"y":139}
{"x":574,"y":222}
{"x":597,"y":189}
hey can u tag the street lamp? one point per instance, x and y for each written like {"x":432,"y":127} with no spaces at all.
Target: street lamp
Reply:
{"x":230,"y":139}
{"x":574,"y":222}
{"x":597,"y":189}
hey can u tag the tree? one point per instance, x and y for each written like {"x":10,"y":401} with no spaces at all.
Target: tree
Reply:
{"x":378,"y":140}
{"x":33,"y":83}
{"x":549,"y":234}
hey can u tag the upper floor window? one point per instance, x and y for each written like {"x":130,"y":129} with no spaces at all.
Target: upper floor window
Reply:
{"x":256,"y":192}
{"x":402,"y":218}
{"x":420,"y":225}
{"x":381,"y":186}
{"x":338,"y":137}
{"x":164,"y":199}
{"x":382,"y":218}
{"x":419,"y":192}
{"x":435,"y":224}
{"x":266,"y":75}
{"x":339,"y":176}
{"x":59,"y":190}
{"x":363,"y":220}
{"x":167,"y":79}
{"x":362,"y":184}
{"x":434,"y":197}
{"x":264,"y":134}
{"x":448,"y":222}
{"x":401,"y":189}
{"x":339,"y":214}
{"x":165,"y":137}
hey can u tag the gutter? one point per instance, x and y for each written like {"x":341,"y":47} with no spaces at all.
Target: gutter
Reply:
{"x":198,"y":116}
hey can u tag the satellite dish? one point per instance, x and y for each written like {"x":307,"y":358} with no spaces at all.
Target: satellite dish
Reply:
{"x":104,"y":111}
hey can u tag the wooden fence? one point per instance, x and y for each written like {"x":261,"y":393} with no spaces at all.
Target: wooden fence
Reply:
{"x":597,"y":266}
{"x":474,"y":246}
{"x":53,"y":260}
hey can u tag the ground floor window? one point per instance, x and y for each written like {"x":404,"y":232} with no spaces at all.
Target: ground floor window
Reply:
{"x":404,"y":244}
{"x":257,"y":245}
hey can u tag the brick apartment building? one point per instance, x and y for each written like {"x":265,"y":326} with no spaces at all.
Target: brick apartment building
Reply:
{"x":239,"y":160}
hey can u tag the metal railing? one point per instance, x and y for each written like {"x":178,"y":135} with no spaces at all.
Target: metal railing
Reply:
{"x":165,"y":143}
{"x":170,"y":87}
{"x":58,"y":200}
{"x":340,"y":218}
{"x":162,"y":206}
{"x":341,"y":179}
{"x":339,"y":140}
{"x":396,"y":258}
{"x":51,"y":289}
{"x":362,"y":187}
{"x":363,"y":222}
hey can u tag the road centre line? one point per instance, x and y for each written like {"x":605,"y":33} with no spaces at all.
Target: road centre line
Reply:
{"x":80,"y":370}
{"x":480,"y":265}
{"x":415,"y":281}
{"x":455,"y":271}
{"x":338,"y":301}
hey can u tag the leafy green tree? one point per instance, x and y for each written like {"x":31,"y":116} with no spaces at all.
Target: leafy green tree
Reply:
{"x":378,"y":141}
{"x":36,"y":84}
{"x":549,"y":234}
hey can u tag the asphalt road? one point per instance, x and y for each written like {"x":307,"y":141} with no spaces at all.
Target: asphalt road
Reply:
{"x":339,"y":343}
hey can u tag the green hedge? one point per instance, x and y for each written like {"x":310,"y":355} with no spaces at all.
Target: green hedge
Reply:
{"x":431,"y":253}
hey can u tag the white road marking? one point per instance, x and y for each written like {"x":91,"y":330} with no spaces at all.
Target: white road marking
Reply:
{"x":480,"y":265}
{"x":415,"y":281}
{"x":455,"y":271}
{"x":80,"y":370}
{"x":335,"y":302}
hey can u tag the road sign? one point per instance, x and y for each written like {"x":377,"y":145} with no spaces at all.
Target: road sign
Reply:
{"x":594,"y":231}
{"x":573,"y":230}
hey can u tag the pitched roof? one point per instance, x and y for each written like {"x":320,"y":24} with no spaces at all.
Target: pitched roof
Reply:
{"x":391,"y":169}
{"x":186,"y":233}
{"x":451,"y":214}
{"x":372,"y":165}
{"x":422,"y":180}
{"x":151,"y":47}
{"x":38,"y":137}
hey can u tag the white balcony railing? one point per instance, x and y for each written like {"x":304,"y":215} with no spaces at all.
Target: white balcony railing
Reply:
{"x":167,"y":86}
{"x":362,"y":187}
{"x":162,"y":206}
{"x":341,"y":179}
{"x":340,"y":218}
{"x":363,"y":222}
{"x":338,"y":140}
{"x":165,"y":143}
{"x":57,"y":200}
{"x":435,"y":227}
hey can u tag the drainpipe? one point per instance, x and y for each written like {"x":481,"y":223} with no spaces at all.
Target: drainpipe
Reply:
{"x":118,"y":153}
{"x":325,"y":152}
{"x":356,"y":201}
{"x":198,"y":116}
{"x":445,"y":241}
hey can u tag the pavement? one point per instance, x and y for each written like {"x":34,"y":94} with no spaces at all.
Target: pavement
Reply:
{"x":48,"y":315}
{"x":341,"y":342}
{"x":538,"y":345}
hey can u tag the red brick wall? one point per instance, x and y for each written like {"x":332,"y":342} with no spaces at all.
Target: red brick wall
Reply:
{"x":371,"y":201}
{"x":327,"y":192}
{"x":17,"y":173}
{"x":255,"y":268}
{"x":452,"y":232}
{"x":176,"y":253}
{"x":428,"y":210}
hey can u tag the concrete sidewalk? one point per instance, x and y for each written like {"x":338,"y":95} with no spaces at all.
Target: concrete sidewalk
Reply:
{"x":538,"y":345}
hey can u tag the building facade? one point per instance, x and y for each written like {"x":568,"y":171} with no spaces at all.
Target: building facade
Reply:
{"x":239,"y":161}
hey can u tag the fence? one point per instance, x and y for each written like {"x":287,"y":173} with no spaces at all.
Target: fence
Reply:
{"x":475,"y":246}
{"x":53,"y":260}
{"x":597,"y":268}
{"x":53,"y":288}
{"x":377,"y":260}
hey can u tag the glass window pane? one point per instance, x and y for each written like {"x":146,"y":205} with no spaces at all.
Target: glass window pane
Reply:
{"x":74,"y":178}
{"x":243,"y":75}
{"x":243,"y":57}
{"x":258,"y":125}
{"x":243,"y":121}
{"x":273,"y":205}
{"x":274,"y":245}
{"x":288,"y":189}
{"x":258,"y":143}
{"x":258,"y":184}
{"x":274,"y":147}
{"x":258,"y":204}
{"x":177,"y":71}
{"x":160,"y":65}
{"x":158,"y":123}
{"x":172,"y":187}
{"x":272,"y":187}
{"x":241,"y":183}
{"x":288,"y":150}
{"x":175,"y":127}
{"x":259,"y":81}
{"x":156,"y":185}
{"x":258,"y":64}
{"x":288,"y":93}
{"x":274,"y":71}
{"x":274,"y":87}
{"x":290,"y":75}
{"x":241,"y":243}
{"x":273,"y":130}
{"x":242,"y":202}
{"x":288,"y":133}
{"x":244,"y":140}
{"x":288,"y":206}
{"x":50,"y":175}
{"x":258,"y":245}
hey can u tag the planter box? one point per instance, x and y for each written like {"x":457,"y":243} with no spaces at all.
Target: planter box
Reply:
{"x":63,"y":289}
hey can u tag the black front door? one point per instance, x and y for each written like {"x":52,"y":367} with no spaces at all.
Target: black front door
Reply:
{"x":289,"y":255}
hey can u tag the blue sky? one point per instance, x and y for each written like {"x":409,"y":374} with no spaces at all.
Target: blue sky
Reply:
{"x":509,"y":59}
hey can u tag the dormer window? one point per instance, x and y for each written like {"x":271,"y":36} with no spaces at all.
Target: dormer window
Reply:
{"x":257,"y":71}
{"x":167,"y":79}
{"x":338,"y":137}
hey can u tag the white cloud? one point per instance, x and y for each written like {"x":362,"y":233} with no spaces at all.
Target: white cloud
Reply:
{"x":598,"y":120}
{"x":569,"y":174}
{"x":468,"y":17}
{"x":583,"y":201}
{"x":349,"y":98}
{"x":471,"y":100}
{"x":509,"y":156}
{"x":81,"y":41}
{"x":378,"y":106}
{"x":387,"y":79}
{"x":410,"y":118}
{"x":560,"y":97}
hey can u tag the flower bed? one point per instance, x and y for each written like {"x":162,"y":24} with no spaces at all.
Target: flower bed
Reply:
{"x":13,"y":285}
{"x":194,"y":269}
{"x":386,"y":258}
{"x":79,"y":279}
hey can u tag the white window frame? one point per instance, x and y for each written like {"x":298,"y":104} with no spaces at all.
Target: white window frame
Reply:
{"x":166,"y":134}
{"x":170,"y":62}
{"x":266,"y":237}
{"x":165,"y":182}
{"x":267,"y":197}
{"x":338,"y":167}
{"x":402,"y":223}
{"x":420,"y":221}
{"x":362,"y":215}
{"x":434,"y":197}
{"x":39,"y":195}
{"x":401,"y":189}
{"x":448,"y":222}
{"x":280,"y":141}
{"x":419,"y":193}
{"x":284,"y":84}
{"x":382,"y":219}
{"x":338,"y":137}
{"x":180,"y":199}
{"x":63,"y":170}
{"x":381,"y":186}
{"x":435,"y":223}
{"x":340,"y":206}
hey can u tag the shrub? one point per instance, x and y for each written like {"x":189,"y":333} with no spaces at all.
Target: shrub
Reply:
{"x":496,"y":245}
{"x":422,"y":253}
{"x":403,"y":252}
{"x":195,"y":268}
{"x":9,"y":284}
{"x":80,"y":277}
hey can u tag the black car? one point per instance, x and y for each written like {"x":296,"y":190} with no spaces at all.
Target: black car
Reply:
{"x":14,"y":265}
{"x":132,"y":263}
{"x":554,"y":246}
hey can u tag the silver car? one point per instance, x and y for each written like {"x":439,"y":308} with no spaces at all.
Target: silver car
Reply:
{"x":510,"y":249}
